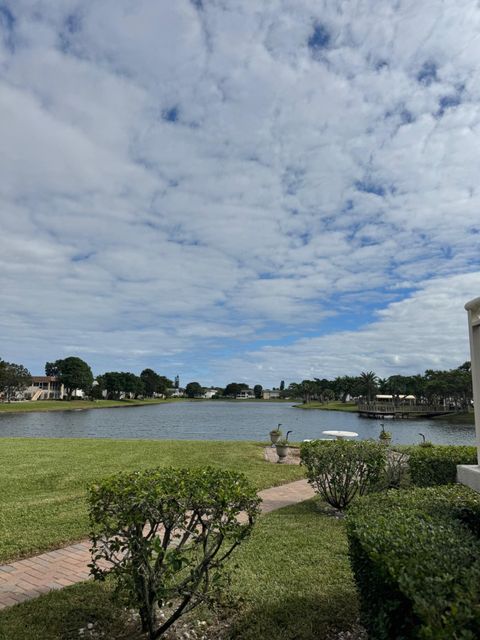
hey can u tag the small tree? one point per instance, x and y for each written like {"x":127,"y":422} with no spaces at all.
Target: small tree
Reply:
{"x":193,"y":389}
{"x":339,"y":470}
{"x":165,"y":534}
{"x":258,"y":391}
{"x":14,"y":378}
{"x":73,"y":373}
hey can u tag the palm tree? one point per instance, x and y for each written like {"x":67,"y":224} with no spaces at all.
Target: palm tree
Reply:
{"x":369,"y":381}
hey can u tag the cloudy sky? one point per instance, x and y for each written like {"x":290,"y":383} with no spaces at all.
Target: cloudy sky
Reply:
{"x":239,"y":190}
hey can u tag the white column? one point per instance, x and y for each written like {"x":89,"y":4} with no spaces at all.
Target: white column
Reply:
{"x":470,"y":474}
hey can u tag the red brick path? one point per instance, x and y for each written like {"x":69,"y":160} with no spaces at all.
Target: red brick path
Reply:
{"x":26,"y":579}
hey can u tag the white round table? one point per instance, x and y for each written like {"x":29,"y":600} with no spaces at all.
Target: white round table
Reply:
{"x":340,"y":435}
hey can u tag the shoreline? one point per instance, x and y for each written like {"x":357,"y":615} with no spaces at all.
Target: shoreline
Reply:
{"x":328,"y":406}
{"x":46,"y":406}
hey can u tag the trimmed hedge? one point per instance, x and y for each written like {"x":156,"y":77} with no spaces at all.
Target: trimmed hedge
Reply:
{"x":437,"y":465}
{"x":416,"y":559}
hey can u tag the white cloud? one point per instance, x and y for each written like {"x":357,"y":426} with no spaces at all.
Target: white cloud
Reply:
{"x":180,"y":184}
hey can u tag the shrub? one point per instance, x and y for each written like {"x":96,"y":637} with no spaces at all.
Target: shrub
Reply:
{"x":396,"y":473}
{"x":164,"y":534}
{"x":339,"y":470}
{"x":416,"y":561}
{"x":437,"y":464}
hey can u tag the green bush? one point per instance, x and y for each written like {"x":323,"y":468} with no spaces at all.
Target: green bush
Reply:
{"x":416,"y":560}
{"x":340,"y":469}
{"x":164,"y":534}
{"x":437,"y":464}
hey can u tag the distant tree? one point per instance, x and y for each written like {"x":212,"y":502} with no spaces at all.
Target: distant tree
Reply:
{"x":51,"y":368}
{"x":133,"y":384}
{"x":368,"y":381}
{"x":14,"y":378}
{"x":98,"y":388}
{"x":258,"y":391}
{"x":177,"y":382}
{"x":193,"y":389}
{"x":282,"y":385}
{"x":73,"y":373}
{"x":233,"y":389}
{"x":114,"y":384}
{"x":151,"y":381}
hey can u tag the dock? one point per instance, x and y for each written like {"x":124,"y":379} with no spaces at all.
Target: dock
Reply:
{"x":384,"y":411}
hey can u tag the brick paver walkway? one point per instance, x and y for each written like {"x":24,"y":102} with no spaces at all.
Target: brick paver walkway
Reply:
{"x":26,"y":579}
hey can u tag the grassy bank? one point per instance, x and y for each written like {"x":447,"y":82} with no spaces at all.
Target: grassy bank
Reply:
{"x":458,"y":418}
{"x":292,"y":581}
{"x":43,"y":481}
{"x":329,"y":406}
{"x":71,"y":405}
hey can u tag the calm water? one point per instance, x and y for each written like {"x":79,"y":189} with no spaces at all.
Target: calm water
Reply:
{"x":220,"y":421}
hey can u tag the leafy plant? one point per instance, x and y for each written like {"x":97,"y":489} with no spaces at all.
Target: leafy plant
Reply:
{"x":282,"y":443}
{"x":385,"y":435}
{"x":165,"y":534}
{"x":277,"y":431}
{"x":396,"y":472}
{"x":339,"y":470}
{"x":416,"y":561}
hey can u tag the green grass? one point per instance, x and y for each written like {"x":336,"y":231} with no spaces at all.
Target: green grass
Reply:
{"x":43,"y":481}
{"x":329,"y":406}
{"x":70,"y":405}
{"x":458,"y":418}
{"x":292,"y":581}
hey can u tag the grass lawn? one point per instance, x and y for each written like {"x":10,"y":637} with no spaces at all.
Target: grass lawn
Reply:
{"x":292,"y":581}
{"x":43,"y":481}
{"x":64,"y":405}
{"x":329,"y":406}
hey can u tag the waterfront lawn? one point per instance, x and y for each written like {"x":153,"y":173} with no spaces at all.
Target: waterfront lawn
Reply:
{"x":69,"y":405}
{"x":43,"y":481}
{"x":292,"y":580}
{"x":329,"y":406}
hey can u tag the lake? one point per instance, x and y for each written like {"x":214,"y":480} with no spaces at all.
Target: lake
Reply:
{"x":220,"y":421}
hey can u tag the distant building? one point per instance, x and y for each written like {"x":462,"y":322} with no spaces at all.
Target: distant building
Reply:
{"x":271,"y":394}
{"x":176,"y":392}
{"x":48,"y":388}
{"x":210,"y":393}
{"x":245,"y":394}
{"x":45,"y":388}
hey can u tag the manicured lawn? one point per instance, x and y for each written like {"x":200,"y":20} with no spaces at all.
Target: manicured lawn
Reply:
{"x":291,"y":581}
{"x":329,"y":406}
{"x":43,"y":481}
{"x":64,"y":405}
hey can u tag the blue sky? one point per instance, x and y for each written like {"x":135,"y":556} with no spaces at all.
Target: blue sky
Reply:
{"x":228,"y":189}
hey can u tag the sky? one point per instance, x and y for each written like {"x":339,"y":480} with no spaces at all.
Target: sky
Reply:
{"x":238,"y":190}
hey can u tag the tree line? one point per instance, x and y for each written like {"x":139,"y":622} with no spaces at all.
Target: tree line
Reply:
{"x":74,"y":373}
{"x":433,"y":387}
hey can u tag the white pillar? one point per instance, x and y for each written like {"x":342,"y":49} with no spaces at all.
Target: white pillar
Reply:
{"x":470,"y":474}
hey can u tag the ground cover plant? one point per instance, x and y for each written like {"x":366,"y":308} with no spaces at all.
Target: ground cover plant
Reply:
{"x":291,"y":581}
{"x":340,"y":470}
{"x":44,"y":481}
{"x":164,"y":536}
{"x":416,"y":560}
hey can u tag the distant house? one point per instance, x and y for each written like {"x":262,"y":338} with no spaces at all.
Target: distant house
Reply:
{"x":271,"y":394}
{"x":210,"y":393}
{"x":45,"y":388}
{"x":48,"y":388}
{"x":176,"y":392}
{"x":245,"y":394}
